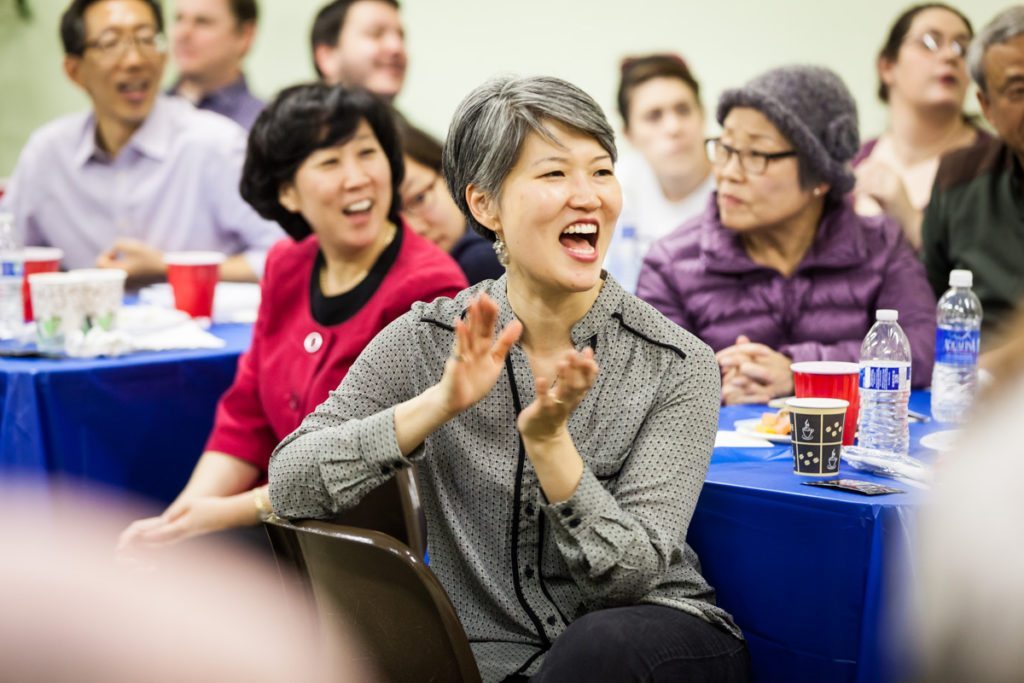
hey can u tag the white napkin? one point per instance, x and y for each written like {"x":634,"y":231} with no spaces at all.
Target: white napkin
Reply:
{"x":143,"y":328}
{"x":233,"y":302}
{"x":727,"y":439}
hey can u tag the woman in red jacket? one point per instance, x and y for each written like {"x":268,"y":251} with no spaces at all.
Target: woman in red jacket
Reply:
{"x":326,"y":164}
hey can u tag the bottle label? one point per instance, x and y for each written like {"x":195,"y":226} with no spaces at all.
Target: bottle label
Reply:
{"x":11,"y":269}
{"x":957,"y":347}
{"x":885,"y":377}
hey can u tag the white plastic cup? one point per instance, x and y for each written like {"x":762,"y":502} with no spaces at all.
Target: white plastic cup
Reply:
{"x":56,"y":305}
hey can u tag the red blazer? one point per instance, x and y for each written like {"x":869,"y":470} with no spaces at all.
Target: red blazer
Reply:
{"x":294,"y":361}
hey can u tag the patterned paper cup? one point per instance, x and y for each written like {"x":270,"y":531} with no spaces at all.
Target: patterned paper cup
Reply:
{"x":101,"y":296}
{"x":38,"y":260}
{"x":56,"y":303}
{"x":817,"y":434}
{"x":193,"y":276}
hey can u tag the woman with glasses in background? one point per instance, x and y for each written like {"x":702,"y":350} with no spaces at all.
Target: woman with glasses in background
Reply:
{"x":923,"y":78}
{"x":780,"y":268}
{"x":429,"y":209}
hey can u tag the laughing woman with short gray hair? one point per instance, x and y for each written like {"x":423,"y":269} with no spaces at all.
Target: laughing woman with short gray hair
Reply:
{"x":561,"y":427}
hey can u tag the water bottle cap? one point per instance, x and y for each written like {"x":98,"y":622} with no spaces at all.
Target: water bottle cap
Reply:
{"x":888,"y":315}
{"x":961,"y":278}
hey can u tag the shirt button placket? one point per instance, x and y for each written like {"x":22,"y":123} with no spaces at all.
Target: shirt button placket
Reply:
{"x":121,"y":194}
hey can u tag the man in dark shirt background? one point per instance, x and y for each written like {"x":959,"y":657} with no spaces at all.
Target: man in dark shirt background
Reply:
{"x":975,"y":219}
{"x":360,"y":43}
{"x":210,"y":38}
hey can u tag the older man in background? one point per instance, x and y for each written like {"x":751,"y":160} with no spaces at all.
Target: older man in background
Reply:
{"x":140,"y":173}
{"x":360,"y":43}
{"x":975,"y":219}
{"x":210,"y":39}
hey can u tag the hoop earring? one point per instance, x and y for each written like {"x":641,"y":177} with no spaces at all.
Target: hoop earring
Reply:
{"x":500,"y":251}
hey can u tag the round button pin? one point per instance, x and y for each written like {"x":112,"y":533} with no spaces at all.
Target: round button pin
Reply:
{"x":313,"y":342}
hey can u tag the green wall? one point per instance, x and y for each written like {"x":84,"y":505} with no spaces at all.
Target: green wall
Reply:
{"x":456,"y":44}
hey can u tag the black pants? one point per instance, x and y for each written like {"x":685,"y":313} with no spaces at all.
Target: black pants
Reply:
{"x":643,"y":643}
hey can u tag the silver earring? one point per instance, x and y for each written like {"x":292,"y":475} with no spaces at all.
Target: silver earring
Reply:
{"x":500,"y":251}
{"x":817,"y":192}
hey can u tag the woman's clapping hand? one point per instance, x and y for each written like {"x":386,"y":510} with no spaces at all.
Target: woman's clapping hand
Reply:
{"x":549,"y":413}
{"x":477,"y":356}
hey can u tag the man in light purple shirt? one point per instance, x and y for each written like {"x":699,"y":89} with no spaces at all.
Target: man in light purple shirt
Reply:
{"x":141,"y":173}
{"x":210,"y":39}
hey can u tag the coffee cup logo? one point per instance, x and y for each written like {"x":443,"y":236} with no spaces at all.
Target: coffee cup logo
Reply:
{"x":833,"y":460}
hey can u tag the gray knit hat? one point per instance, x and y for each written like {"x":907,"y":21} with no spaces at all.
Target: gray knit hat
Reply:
{"x":811,"y":106}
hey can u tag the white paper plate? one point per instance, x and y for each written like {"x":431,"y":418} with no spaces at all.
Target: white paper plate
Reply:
{"x":941,"y":441}
{"x":748,"y":428}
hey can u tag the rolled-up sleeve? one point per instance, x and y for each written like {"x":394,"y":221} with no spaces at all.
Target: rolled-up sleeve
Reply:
{"x":348,"y":446}
{"x":618,"y":546}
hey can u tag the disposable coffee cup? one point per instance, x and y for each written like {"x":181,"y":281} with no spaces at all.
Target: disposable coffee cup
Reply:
{"x":830,"y":379}
{"x":38,"y":260}
{"x":193,"y":277}
{"x":56,"y":304}
{"x":817,"y":435}
{"x":100,"y":296}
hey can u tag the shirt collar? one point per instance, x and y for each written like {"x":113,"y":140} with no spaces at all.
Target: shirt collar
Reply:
{"x":609,"y":301}
{"x":223,"y":100}
{"x":87,"y":148}
{"x":152,"y":139}
{"x":228,"y":97}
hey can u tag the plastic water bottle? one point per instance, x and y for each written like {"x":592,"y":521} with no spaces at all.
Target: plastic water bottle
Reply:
{"x":957,"y":341}
{"x":625,"y":257}
{"x":885,"y":386}
{"x":12,"y":264}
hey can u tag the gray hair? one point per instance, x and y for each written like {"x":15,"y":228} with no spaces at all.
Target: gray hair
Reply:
{"x":1007,"y":25}
{"x":489,"y":127}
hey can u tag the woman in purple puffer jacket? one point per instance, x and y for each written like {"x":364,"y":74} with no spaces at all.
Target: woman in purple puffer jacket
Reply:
{"x":779,"y":268}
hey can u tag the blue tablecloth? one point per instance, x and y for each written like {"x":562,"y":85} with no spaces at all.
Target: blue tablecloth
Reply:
{"x":136,"y":423}
{"x":802,"y":569}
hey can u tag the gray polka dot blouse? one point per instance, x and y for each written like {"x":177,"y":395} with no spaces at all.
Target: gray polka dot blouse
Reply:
{"x":519,"y":570}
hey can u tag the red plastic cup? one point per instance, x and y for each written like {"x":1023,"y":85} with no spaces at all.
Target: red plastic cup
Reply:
{"x":38,"y":260}
{"x":193,"y":276}
{"x":830,"y":379}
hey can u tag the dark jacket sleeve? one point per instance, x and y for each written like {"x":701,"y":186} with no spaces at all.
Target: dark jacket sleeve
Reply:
{"x":935,"y":241}
{"x":906,"y":289}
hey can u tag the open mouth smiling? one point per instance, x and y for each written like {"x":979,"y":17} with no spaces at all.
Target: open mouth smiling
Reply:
{"x":360,"y":207}
{"x":580,"y":238}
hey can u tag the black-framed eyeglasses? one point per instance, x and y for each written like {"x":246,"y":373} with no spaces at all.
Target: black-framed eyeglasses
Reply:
{"x":421,"y":201}
{"x":935,"y":42}
{"x":113,"y":46}
{"x":751,"y":161}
